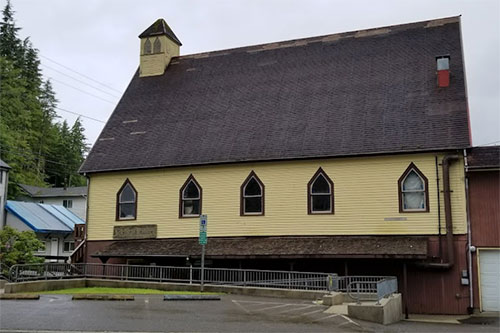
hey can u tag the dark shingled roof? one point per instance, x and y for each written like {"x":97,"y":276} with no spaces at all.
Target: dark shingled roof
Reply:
{"x":43,"y":192}
{"x":273,"y":247}
{"x":484,"y":157}
{"x":355,"y":93}
{"x":160,"y":27}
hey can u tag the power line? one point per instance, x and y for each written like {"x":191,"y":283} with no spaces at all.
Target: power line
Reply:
{"x":83,"y":75}
{"x":78,"y":80}
{"x":10,"y":151}
{"x":82,"y":91}
{"x":487,"y":144}
{"x":81,"y":115}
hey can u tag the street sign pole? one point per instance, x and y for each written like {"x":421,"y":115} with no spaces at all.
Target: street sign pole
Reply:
{"x":203,"y":242}
{"x":202,"y":266}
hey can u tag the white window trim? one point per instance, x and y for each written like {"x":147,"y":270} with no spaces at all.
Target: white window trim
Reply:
{"x":190,"y":199}
{"x":253,"y":196}
{"x":311,"y":194}
{"x":403,"y":191}
{"x":120,"y":202}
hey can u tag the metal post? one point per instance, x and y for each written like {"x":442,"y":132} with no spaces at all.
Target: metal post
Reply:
{"x":405,"y":289}
{"x":359,"y":296}
{"x":190,"y":273}
{"x":202,"y":266}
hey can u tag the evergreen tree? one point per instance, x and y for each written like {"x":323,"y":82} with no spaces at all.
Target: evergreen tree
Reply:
{"x":39,"y":150}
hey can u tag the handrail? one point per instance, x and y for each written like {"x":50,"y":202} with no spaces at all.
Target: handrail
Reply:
{"x":365,"y":285}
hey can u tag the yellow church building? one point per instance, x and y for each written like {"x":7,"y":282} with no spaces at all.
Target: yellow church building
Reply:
{"x":340,"y":153}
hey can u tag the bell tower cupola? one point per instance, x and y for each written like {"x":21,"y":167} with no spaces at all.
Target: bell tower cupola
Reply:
{"x":158,"y":45}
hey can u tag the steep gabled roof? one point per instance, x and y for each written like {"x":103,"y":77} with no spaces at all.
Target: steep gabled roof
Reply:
{"x":365,"y":92}
{"x":160,"y":27}
{"x":44,"y":218}
{"x":43,"y":192}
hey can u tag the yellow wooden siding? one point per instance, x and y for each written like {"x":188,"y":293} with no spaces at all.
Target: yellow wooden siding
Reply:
{"x":155,"y":64}
{"x":365,"y":192}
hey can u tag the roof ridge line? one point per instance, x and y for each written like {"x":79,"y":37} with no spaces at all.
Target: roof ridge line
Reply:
{"x":370,"y":32}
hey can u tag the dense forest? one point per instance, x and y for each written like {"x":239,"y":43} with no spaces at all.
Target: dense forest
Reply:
{"x":40,"y":149}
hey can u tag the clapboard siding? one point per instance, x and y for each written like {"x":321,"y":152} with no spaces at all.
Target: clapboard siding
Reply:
{"x":366,"y":192}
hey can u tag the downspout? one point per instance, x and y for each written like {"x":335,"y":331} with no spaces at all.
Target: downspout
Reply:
{"x":439,"y":208}
{"x":85,"y":249}
{"x":447,"y":214}
{"x":469,"y":234}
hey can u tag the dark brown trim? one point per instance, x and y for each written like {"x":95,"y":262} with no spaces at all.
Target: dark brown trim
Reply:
{"x":254,"y":175}
{"x":332,"y":200}
{"x":191,"y":177}
{"x":412,"y":166}
{"x":117,"y":216}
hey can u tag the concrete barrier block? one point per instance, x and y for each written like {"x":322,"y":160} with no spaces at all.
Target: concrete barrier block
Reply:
{"x":389,"y":311}
{"x":334,"y":298}
{"x":99,"y":297}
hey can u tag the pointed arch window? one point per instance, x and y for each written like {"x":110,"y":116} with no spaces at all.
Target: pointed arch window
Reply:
{"x":320,"y":194}
{"x":413,"y":191}
{"x":252,"y":196}
{"x":157,"y":46}
{"x":190,"y":198}
{"x":147,"y":46}
{"x":126,"y":202}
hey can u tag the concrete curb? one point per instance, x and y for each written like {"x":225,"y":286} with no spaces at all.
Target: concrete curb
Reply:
{"x":19,"y":296}
{"x":438,"y":319}
{"x":99,"y":297}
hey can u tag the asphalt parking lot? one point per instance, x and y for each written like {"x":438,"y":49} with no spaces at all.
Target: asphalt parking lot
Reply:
{"x":233,"y":313}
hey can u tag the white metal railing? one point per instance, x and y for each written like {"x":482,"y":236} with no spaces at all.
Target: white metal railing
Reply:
{"x":368,"y":287}
{"x":191,"y":275}
{"x":359,"y":287}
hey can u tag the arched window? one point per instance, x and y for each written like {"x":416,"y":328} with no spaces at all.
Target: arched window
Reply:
{"x":157,"y":46}
{"x":413,"y":191}
{"x":126,"y":202}
{"x":252,"y":196}
{"x":320,"y":194}
{"x":190,"y":198}
{"x":147,"y":46}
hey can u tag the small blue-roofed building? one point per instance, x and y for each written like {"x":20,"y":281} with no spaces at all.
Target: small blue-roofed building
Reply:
{"x":53,"y":225}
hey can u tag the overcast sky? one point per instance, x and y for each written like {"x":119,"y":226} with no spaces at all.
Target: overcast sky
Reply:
{"x":98,"y":39}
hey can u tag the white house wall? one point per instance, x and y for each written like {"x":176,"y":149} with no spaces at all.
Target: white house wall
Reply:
{"x":19,"y":225}
{"x":3,"y":195}
{"x":47,"y":238}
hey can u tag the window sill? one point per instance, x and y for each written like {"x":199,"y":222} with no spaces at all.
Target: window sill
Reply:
{"x":414,"y":211}
{"x":127,"y":219}
{"x":321,"y":213}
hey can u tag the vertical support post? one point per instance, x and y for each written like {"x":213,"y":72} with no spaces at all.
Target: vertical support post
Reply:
{"x":244,"y":278}
{"x":405,"y":289}
{"x":202,"y":267}
{"x":190,"y":273}
{"x":289,"y":280}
